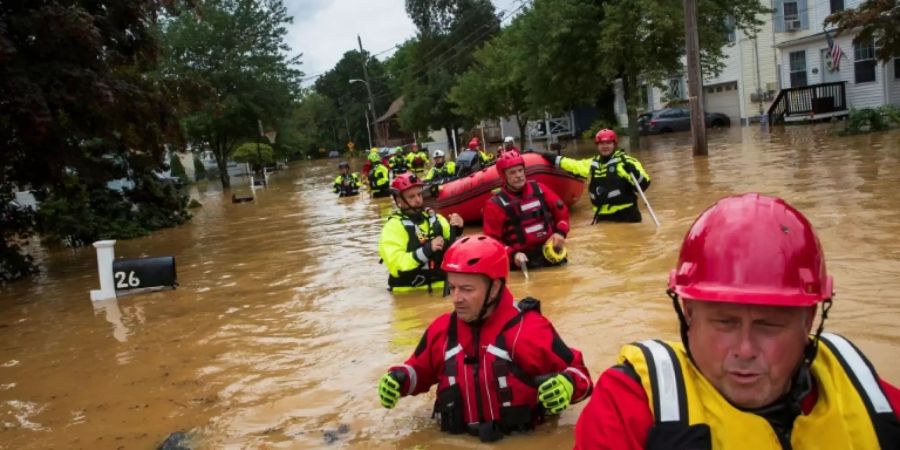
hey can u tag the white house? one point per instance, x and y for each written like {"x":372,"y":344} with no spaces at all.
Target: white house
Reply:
{"x":805,"y":59}
{"x":787,"y":52}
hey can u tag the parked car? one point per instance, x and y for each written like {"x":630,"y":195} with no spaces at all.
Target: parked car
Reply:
{"x":667,"y":120}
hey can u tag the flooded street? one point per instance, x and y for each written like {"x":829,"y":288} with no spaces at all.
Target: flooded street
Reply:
{"x":282,"y":324}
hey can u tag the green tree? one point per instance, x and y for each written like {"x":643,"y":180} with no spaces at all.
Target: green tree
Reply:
{"x":449,"y":33}
{"x":559,"y":41}
{"x":350,"y":101}
{"x":230,"y":65}
{"x":495,"y":84}
{"x":256,"y":155}
{"x":199,"y":169}
{"x":644,"y":40}
{"x":176,"y":167}
{"x":312,"y":124}
{"x":875,"y":19}
{"x":81,"y":106}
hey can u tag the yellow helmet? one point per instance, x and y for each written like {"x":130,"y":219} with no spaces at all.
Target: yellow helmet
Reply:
{"x":552,"y":255}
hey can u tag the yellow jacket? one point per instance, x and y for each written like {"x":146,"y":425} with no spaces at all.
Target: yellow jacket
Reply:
{"x":417,"y":161}
{"x":410,"y":261}
{"x":611,"y":187}
{"x":681,"y":397}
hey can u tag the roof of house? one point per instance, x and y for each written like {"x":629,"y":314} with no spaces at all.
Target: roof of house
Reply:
{"x":392,"y":111}
{"x":805,"y":39}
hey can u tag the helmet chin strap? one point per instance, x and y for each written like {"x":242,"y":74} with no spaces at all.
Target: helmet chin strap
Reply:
{"x":488,"y":302}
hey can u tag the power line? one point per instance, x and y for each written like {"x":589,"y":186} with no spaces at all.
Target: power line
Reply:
{"x":460,"y":47}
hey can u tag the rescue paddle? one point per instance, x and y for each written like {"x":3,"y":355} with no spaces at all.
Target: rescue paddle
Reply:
{"x":644,"y":197}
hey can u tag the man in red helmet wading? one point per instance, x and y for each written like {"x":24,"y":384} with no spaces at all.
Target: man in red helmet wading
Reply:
{"x":499,"y":366}
{"x":525,"y":215}
{"x":413,"y":240}
{"x":748,"y":374}
{"x":611,"y":188}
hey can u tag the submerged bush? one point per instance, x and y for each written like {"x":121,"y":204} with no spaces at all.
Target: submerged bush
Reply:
{"x":867,"y":120}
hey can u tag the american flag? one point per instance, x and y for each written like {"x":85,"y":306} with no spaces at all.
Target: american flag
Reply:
{"x":835,"y":52}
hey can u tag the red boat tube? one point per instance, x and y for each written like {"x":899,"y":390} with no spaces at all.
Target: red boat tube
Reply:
{"x":466,"y":196}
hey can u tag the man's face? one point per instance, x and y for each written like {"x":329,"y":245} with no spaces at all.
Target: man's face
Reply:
{"x":606,"y":147}
{"x":412,"y":197}
{"x":467,"y":291}
{"x":509,"y":145}
{"x":749,"y":353}
{"x":515,"y":177}
{"x":439,"y":161}
{"x":344,"y":170}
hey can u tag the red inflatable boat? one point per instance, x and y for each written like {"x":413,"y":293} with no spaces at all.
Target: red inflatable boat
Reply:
{"x":466,"y":196}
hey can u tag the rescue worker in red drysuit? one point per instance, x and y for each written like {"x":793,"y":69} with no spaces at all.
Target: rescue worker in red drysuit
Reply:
{"x":499,"y":366}
{"x":748,"y":373}
{"x":525,"y":214}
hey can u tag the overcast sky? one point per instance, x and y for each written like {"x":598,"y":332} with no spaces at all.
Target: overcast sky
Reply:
{"x":323,"y":30}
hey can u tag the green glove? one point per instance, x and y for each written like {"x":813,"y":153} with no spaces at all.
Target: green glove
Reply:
{"x":556,"y":393}
{"x":389,"y":391}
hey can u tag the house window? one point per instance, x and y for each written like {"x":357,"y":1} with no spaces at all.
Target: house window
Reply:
{"x":729,"y":30}
{"x":864,"y":61}
{"x":897,"y":68}
{"x":675,"y":91}
{"x":790,"y":11}
{"x":837,"y":5}
{"x":798,"y":68}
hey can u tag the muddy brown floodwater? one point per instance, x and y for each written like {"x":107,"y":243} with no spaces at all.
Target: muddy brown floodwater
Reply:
{"x":282,"y":325}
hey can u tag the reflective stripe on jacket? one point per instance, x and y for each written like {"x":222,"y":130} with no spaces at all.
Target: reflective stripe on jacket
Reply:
{"x":410,"y":263}
{"x":448,"y":170}
{"x":525,"y":221}
{"x":492,"y":369}
{"x":351,"y":188}
{"x":851,"y":412}
{"x":611,"y":187}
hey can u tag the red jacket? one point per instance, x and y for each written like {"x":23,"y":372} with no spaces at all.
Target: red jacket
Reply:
{"x":532,"y":344}
{"x":618,"y":416}
{"x":498,"y":225}
{"x":367,"y":167}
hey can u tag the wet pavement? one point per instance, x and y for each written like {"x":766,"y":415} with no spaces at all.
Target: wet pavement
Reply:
{"x":282,"y":324}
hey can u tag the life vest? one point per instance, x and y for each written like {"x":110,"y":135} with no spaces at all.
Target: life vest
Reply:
{"x":448,"y":170}
{"x":429,"y":273}
{"x":851,"y":412}
{"x":529,"y":221}
{"x":352,"y":187}
{"x":511,"y":395}
{"x":378,"y":180}
{"x":610,"y":187}
{"x":418,"y":161}
{"x":399,"y":164}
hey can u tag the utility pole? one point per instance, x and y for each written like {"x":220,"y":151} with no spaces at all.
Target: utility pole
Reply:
{"x":366,"y":77}
{"x":695,"y":78}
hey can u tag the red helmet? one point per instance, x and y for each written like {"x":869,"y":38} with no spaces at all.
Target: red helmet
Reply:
{"x":606,"y":135}
{"x":403,"y":182}
{"x":474,"y":143}
{"x":477,"y":254}
{"x":752,"y":249}
{"x":507,"y":159}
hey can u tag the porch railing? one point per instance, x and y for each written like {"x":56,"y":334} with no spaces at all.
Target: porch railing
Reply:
{"x":810,"y":100}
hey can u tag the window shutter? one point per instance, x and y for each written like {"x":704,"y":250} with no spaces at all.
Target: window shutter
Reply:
{"x":778,"y":15}
{"x":803,"y":13}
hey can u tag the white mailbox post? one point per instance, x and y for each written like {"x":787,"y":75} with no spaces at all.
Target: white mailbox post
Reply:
{"x":106,"y":253}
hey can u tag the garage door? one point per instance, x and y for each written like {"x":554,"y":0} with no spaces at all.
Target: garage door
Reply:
{"x":723,"y":98}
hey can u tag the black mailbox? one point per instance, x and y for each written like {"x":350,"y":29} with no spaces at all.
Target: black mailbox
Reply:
{"x":143,"y":273}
